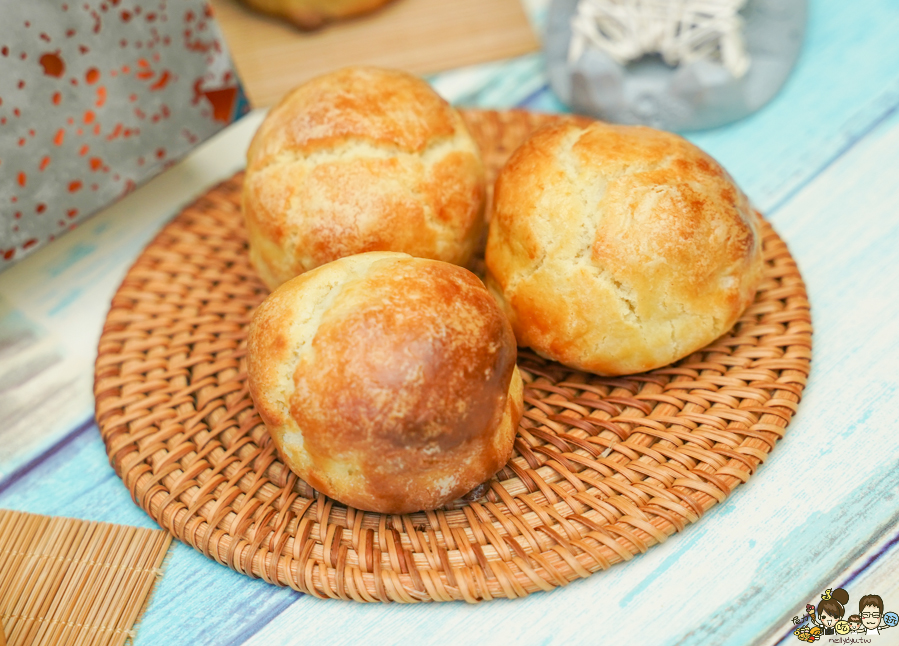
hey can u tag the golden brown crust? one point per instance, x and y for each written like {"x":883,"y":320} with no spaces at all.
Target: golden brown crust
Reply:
{"x":618,"y":249}
{"x":312,"y":14}
{"x":358,"y":160}
{"x":387,"y":382}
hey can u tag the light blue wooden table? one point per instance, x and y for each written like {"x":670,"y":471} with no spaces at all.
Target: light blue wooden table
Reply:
{"x":822,"y":161}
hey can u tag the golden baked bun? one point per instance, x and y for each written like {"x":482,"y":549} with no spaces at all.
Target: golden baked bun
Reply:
{"x":387,"y":382}
{"x":362,"y":159}
{"x":619,"y":249}
{"x":312,"y":14}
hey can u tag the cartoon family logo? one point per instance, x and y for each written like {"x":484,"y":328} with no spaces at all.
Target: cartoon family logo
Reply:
{"x":827,"y":619}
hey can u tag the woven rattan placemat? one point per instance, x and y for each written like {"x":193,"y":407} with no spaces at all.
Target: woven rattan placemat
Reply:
{"x":69,"y":581}
{"x":603,"y":468}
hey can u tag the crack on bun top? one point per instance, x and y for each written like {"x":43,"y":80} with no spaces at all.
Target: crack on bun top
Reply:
{"x":361,"y":159}
{"x":619,"y":249}
{"x":387,"y":382}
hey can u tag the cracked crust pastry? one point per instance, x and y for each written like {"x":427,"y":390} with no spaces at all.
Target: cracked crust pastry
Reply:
{"x":386,"y":382}
{"x":361,"y":159}
{"x":619,"y":249}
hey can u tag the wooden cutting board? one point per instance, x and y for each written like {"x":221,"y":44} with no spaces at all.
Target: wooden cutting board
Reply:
{"x":420,"y":36}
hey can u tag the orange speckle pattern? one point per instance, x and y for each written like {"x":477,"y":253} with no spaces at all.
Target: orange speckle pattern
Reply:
{"x":53,"y":64}
{"x":162,"y":81}
{"x":221,"y":101}
{"x":99,"y":88}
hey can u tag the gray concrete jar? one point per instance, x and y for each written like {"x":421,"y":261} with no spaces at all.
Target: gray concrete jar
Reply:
{"x":694,"y":96}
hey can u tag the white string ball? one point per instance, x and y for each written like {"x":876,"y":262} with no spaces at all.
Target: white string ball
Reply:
{"x":681,"y":31}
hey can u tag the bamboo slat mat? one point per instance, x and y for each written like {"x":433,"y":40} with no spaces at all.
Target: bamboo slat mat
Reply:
{"x":603,"y":468}
{"x":419,"y":36}
{"x":68,"y":581}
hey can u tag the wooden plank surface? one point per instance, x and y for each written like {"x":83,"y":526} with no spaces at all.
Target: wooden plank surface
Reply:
{"x":420,"y":36}
{"x":822,"y":159}
{"x":205,"y":603}
{"x":872,"y":572}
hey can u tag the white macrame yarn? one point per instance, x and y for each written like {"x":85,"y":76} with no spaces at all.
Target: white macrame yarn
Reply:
{"x":681,"y":31}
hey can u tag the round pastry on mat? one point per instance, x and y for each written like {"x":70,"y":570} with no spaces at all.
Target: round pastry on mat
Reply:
{"x":312,"y":14}
{"x":387,"y":382}
{"x":362,"y":159}
{"x":619,"y":249}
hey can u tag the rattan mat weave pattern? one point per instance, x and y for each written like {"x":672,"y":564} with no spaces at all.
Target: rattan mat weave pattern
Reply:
{"x":603,"y":468}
